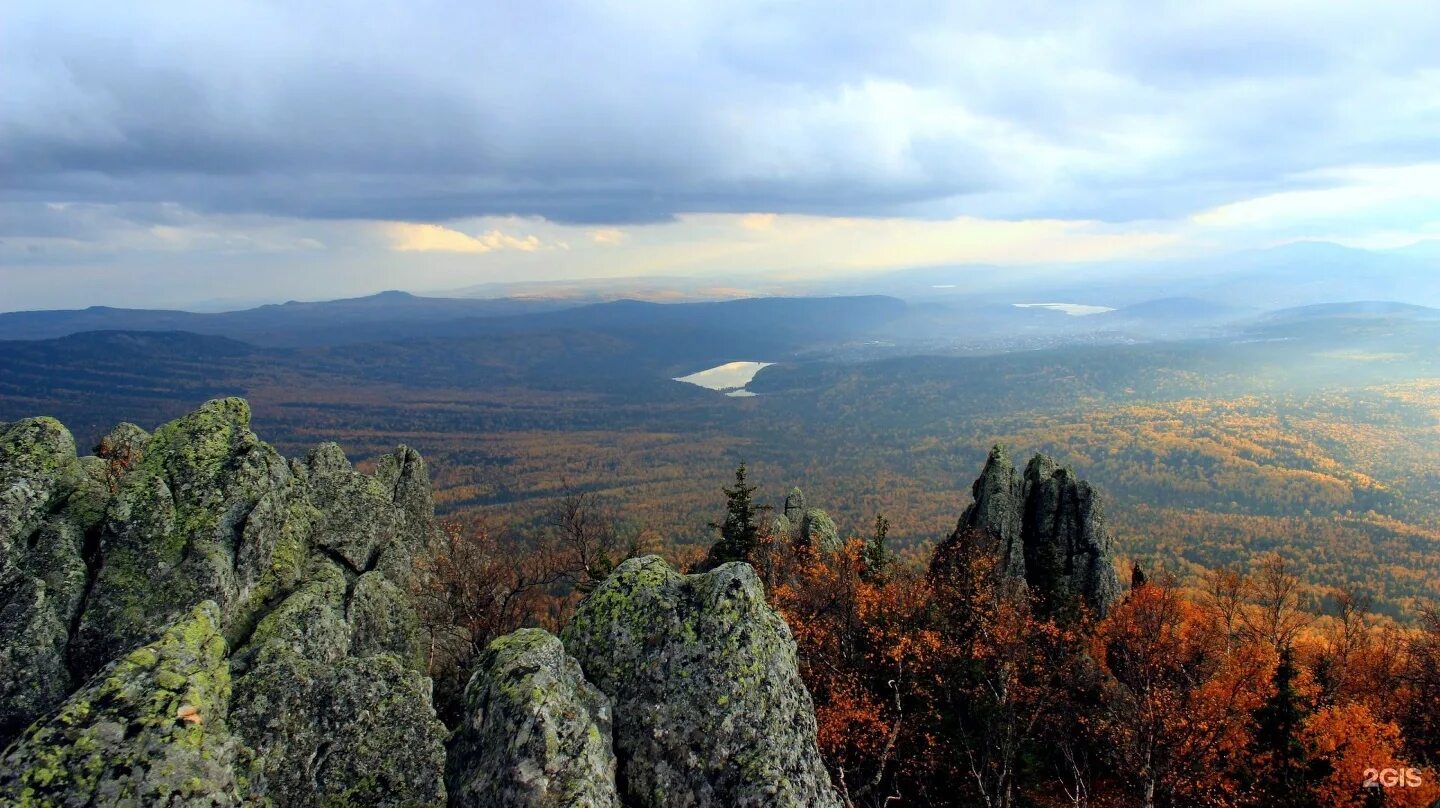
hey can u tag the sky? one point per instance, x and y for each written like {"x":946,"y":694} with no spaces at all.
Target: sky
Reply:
{"x":182,"y":153}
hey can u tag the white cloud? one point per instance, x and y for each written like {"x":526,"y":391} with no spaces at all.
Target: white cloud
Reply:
{"x":412,"y":237}
{"x":1355,"y":191}
{"x":609,"y":236}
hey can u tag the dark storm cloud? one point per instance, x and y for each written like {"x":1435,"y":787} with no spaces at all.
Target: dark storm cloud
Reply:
{"x":623,"y":112}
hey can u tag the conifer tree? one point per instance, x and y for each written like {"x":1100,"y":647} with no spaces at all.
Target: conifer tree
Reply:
{"x":1285,"y":772}
{"x":740,"y":532}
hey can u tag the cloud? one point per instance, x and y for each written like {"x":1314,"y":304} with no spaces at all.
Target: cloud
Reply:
{"x":639,"y":112}
{"x":344,"y":144}
{"x":757,"y":221}
{"x":1395,"y":194}
{"x":608,"y":236}
{"x":411,"y":237}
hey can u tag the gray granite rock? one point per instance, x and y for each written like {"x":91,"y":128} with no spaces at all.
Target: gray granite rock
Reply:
{"x":535,"y":733}
{"x":709,"y":707}
{"x":304,"y":569}
{"x":151,"y":729}
{"x":1051,"y":529}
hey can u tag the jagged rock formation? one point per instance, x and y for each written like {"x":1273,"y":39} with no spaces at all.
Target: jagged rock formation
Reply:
{"x":302,"y":569}
{"x":809,"y":526}
{"x":709,"y":706}
{"x":535,"y":732}
{"x":189,"y":618}
{"x":1051,"y":529}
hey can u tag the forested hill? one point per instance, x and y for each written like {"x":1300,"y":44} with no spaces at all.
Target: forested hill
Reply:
{"x":391,"y":316}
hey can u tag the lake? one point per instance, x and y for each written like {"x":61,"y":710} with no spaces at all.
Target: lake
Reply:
{"x":1072,"y":309}
{"x":729,"y":378}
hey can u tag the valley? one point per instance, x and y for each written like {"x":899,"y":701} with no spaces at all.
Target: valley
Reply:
{"x":1314,"y":432}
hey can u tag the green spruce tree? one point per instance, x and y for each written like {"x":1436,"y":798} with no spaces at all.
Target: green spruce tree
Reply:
{"x":1288,"y":774}
{"x":740,"y":531}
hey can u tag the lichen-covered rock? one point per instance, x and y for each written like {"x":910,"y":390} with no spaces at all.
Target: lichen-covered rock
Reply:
{"x":709,"y":707}
{"x":329,"y":693}
{"x":47,"y":505}
{"x":148,"y":730}
{"x":173,"y":531}
{"x":33,"y":629}
{"x":811,"y":527}
{"x":37,"y":463}
{"x":360,"y":731}
{"x":794,"y":510}
{"x":357,"y":520}
{"x":309,"y":623}
{"x":404,"y":475}
{"x":780,"y":526}
{"x":330,"y":698}
{"x":535,"y":733}
{"x":383,"y":621}
{"x":305,"y":569}
{"x":1051,"y":529}
{"x":818,"y":530}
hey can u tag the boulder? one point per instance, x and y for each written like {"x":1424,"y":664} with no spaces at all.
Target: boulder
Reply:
{"x":535,"y":733}
{"x":709,"y":707}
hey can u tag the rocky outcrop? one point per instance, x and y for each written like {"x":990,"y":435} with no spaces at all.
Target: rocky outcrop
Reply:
{"x":817,"y":529}
{"x":187,"y":618}
{"x":51,"y":502}
{"x":535,"y":732}
{"x":149,"y":730}
{"x":794,"y":509}
{"x":303,"y":570}
{"x":811,"y":527}
{"x":998,"y":508}
{"x":709,"y":707}
{"x":178,"y":530}
{"x":1051,"y":530}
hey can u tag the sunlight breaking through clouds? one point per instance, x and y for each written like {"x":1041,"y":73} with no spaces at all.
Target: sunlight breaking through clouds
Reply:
{"x":409,"y":237}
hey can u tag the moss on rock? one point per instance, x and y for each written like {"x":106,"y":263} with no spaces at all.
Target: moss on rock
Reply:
{"x":709,"y":706}
{"x":535,"y":732}
{"x":172,"y":531}
{"x":149,"y":729}
{"x":42,"y":573}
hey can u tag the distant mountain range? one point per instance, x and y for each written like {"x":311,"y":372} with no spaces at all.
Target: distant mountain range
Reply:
{"x":394,"y":316}
{"x":388,"y":315}
{"x":934,"y":309}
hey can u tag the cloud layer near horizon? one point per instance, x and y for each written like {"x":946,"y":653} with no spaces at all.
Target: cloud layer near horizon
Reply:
{"x":284,"y":127}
